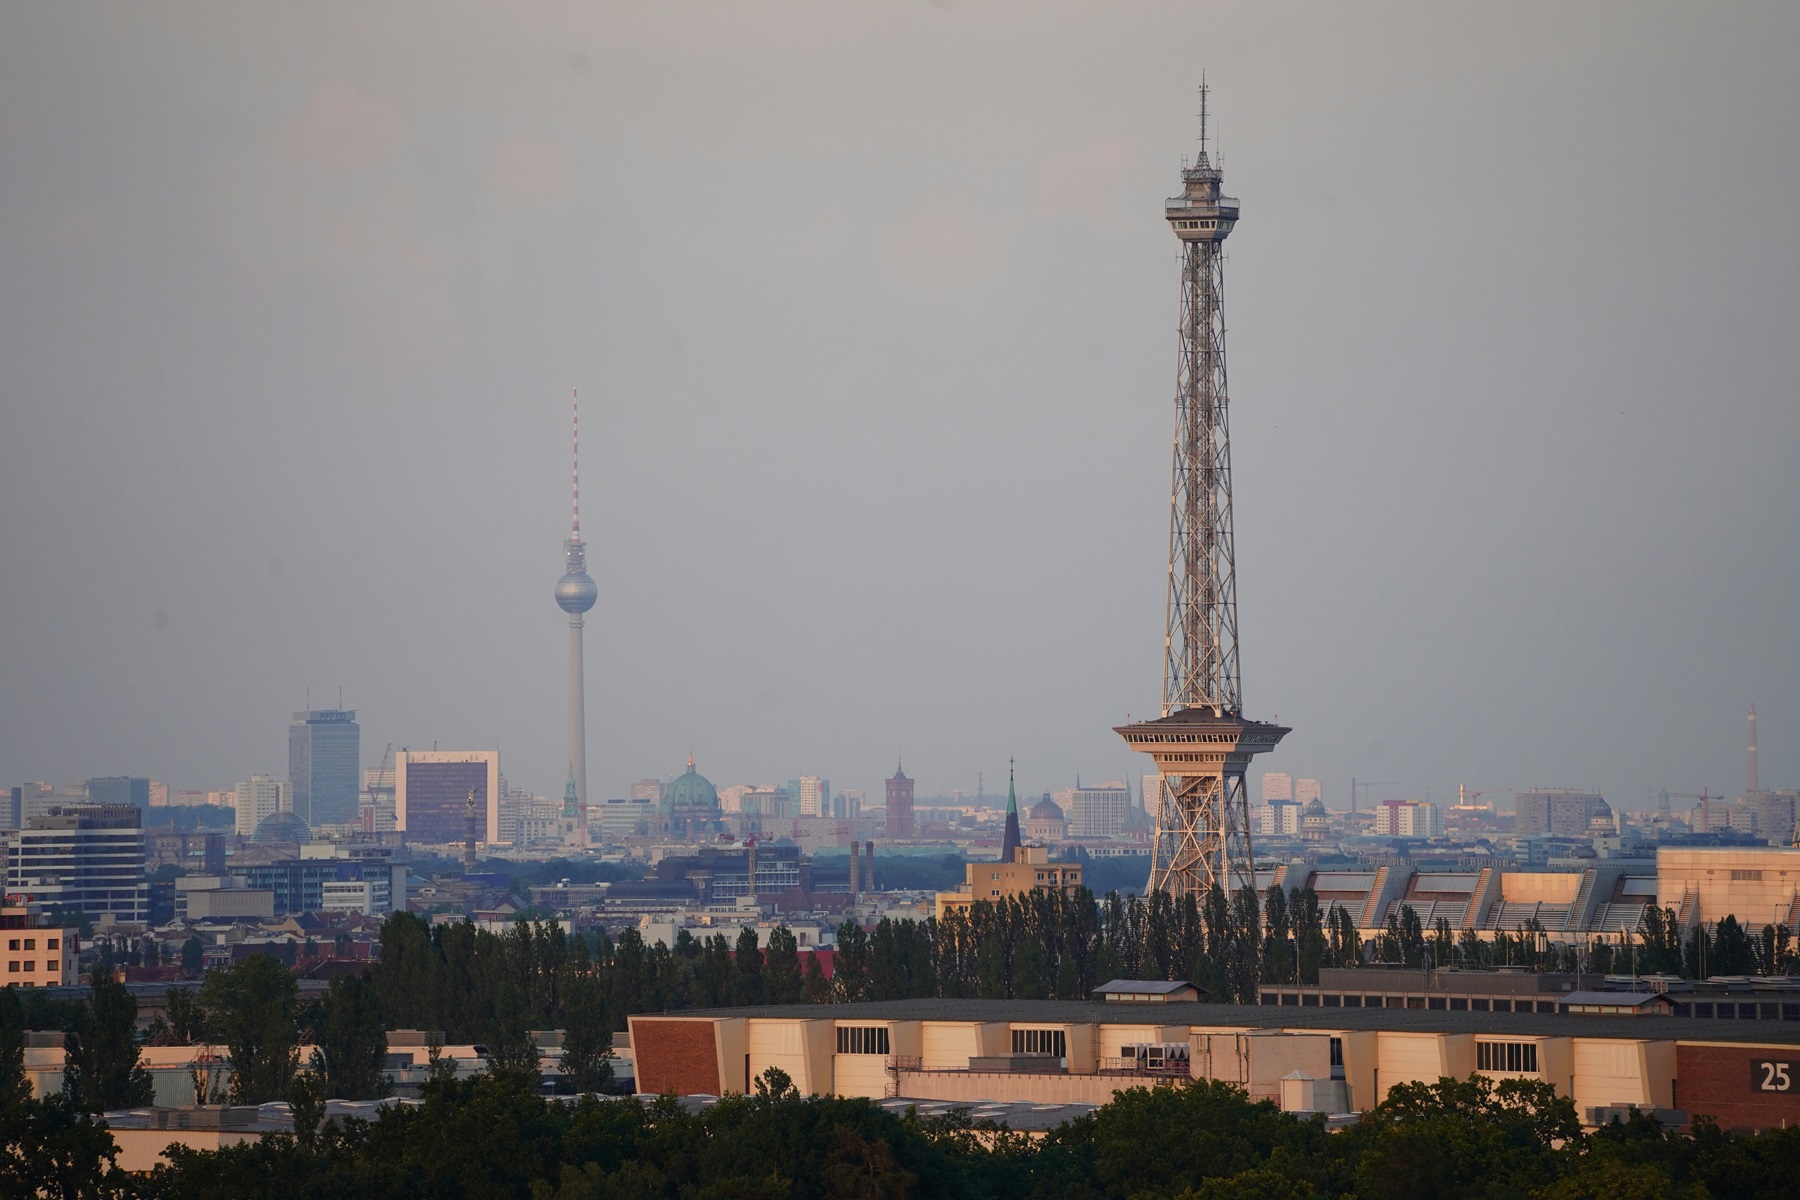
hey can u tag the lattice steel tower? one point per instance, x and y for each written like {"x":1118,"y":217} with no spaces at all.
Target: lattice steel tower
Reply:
{"x":1202,"y":744}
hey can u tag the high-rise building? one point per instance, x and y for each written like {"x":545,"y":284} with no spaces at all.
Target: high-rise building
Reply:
{"x":1558,"y":812}
{"x":1407,"y":818}
{"x":37,"y":799}
{"x":900,"y":805}
{"x":1203,"y":743}
{"x":1277,"y":785}
{"x":1307,"y":790}
{"x":86,"y":859}
{"x":651,"y":790}
{"x":120,"y":789}
{"x":576,"y":593}
{"x":432,"y":790}
{"x":847,"y":804}
{"x":812,"y":794}
{"x":1097,"y":810}
{"x":258,"y":797}
{"x":325,"y":765}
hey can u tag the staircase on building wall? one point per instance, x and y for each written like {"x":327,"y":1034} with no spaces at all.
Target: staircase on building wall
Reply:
{"x":1573,"y":921}
{"x":1372,"y":909}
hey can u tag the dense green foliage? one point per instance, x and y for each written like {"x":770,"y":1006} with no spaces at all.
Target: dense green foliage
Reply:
{"x":252,"y":1008}
{"x":493,"y":1137}
{"x":101,"y":1069}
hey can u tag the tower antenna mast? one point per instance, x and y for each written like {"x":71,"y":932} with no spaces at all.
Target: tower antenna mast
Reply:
{"x":1202,"y":743}
{"x":575,"y":595}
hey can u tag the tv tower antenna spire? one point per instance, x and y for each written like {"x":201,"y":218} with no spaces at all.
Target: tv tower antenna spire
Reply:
{"x":1202,"y":744}
{"x":575,"y":595}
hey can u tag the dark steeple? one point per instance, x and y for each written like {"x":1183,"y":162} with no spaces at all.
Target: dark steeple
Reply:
{"x":1009,"y":844}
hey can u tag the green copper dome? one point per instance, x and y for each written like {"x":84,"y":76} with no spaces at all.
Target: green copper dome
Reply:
{"x":691,"y":794}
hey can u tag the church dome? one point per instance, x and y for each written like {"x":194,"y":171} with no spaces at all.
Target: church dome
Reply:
{"x":691,"y":793}
{"x":1315,"y":807}
{"x":1046,"y":810}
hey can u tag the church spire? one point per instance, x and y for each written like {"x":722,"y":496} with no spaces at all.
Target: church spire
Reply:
{"x":1010,"y":841}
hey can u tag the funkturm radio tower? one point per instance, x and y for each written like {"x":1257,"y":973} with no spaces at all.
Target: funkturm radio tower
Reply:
{"x":1202,"y":744}
{"x":575,"y":594}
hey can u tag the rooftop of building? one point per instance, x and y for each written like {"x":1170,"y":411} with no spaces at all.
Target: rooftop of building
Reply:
{"x":1401,"y":1020}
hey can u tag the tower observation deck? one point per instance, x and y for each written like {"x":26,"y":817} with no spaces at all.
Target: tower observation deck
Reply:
{"x":1202,"y":744}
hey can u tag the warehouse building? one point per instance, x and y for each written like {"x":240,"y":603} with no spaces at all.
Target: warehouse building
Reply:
{"x":1305,"y":1059}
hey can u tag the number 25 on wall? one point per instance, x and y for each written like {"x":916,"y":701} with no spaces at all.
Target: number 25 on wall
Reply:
{"x":1767,"y":1076}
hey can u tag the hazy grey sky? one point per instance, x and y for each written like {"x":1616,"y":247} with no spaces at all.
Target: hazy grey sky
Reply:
{"x":872,"y":309}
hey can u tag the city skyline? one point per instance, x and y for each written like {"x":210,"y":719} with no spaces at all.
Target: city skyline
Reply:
{"x":1506,"y":548}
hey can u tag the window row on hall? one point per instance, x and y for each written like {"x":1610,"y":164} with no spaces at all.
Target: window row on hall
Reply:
{"x":862,"y":1039}
{"x":1040,"y":1041}
{"x":1506,"y":1056}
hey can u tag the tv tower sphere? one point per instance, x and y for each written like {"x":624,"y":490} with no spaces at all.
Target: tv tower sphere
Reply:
{"x":576,"y":591}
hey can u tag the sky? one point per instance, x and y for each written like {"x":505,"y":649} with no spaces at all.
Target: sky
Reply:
{"x":872,"y":309}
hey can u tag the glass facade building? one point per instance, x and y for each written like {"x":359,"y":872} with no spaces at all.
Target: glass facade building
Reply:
{"x":88,"y":859}
{"x":431,"y":795}
{"x":325,"y":765}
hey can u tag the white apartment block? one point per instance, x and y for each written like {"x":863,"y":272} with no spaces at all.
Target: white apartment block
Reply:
{"x":1096,"y":811}
{"x":259,"y":796}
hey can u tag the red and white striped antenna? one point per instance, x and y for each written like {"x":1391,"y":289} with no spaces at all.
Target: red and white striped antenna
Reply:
{"x":575,"y":462}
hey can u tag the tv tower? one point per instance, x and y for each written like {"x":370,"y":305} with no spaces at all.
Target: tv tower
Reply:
{"x":575,"y":594}
{"x":1202,"y":744}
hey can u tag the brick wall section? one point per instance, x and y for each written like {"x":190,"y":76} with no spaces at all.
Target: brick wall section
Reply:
{"x":1716,"y":1081}
{"x":675,"y":1056}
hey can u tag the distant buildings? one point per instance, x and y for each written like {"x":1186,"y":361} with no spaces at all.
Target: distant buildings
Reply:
{"x":1030,"y":871}
{"x":1098,"y":811}
{"x":1046,"y":822}
{"x":900,"y":806}
{"x":812,"y":794}
{"x":88,"y":859}
{"x":1559,"y":812}
{"x":1406,"y":818}
{"x":432,"y":790}
{"x":325,"y":765}
{"x":689,"y":807}
{"x":1277,"y":785}
{"x":1307,"y":790}
{"x":258,"y":797}
{"x":120,"y":789}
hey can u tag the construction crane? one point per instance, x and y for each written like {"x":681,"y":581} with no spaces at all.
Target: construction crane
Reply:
{"x":1705,"y":797}
{"x":381,"y":784}
{"x":1467,"y":796}
{"x":1365,"y":785}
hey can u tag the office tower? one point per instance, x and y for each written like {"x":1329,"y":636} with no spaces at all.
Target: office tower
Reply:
{"x":1307,"y":790}
{"x":1202,"y":744}
{"x":431,"y":794}
{"x":652,"y":790}
{"x":120,"y":789}
{"x":575,"y":595}
{"x":1558,"y":812}
{"x":259,"y":797}
{"x":812,"y":794}
{"x":325,"y":765}
{"x":1277,"y":785}
{"x":86,"y":859}
{"x":1097,"y":810}
{"x":900,"y":805}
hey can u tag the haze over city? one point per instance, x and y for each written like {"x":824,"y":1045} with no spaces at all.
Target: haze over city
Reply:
{"x":872,"y":314}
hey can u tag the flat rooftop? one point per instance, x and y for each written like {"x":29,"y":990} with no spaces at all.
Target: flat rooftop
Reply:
{"x":1256,"y":1016}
